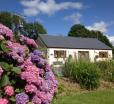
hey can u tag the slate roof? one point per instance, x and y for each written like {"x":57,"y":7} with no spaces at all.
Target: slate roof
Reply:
{"x":72,"y":42}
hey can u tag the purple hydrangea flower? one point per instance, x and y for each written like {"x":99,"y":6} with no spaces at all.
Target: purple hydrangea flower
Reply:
{"x":47,"y":67}
{"x":35,"y":58}
{"x":37,"y":52}
{"x":42,"y":61}
{"x":22,"y":98}
{"x":49,"y":75}
{"x":20,"y":51}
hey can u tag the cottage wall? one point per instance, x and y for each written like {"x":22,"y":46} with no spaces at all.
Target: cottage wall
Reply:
{"x":74,"y":53}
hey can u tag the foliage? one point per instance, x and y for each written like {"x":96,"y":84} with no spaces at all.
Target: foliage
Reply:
{"x":34,"y":29}
{"x":7,"y":19}
{"x":30,"y":29}
{"x":79,"y":30}
{"x":25,"y":76}
{"x":85,"y":73}
{"x":107,"y":70}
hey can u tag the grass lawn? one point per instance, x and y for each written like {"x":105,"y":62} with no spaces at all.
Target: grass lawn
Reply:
{"x":95,"y":97}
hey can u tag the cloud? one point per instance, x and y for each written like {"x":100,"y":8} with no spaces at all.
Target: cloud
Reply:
{"x":49,"y":7}
{"x":99,"y":26}
{"x":103,"y":27}
{"x":75,"y":18}
{"x":111,"y":38}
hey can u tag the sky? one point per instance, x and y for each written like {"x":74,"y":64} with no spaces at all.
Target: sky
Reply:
{"x":57,"y":16}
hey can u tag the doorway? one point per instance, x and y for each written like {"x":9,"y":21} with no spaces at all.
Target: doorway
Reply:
{"x":83,"y":55}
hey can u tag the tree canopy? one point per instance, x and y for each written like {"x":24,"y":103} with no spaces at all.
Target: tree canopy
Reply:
{"x":11,"y":20}
{"x":79,"y":30}
{"x":34,"y":29}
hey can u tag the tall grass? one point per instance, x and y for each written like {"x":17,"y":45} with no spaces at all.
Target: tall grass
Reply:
{"x":107,"y":70}
{"x":85,"y":73}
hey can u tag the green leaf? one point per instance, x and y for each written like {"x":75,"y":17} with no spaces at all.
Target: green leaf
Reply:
{"x":17,"y":90}
{"x":12,"y":99}
{"x":13,"y":81}
{"x":4,"y":81}
{"x":16,"y":70}
{"x":3,"y":47}
{"x":5,"y":66}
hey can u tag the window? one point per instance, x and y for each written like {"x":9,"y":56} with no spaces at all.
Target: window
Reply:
{"x":60,"y":54}
{"x":103,"y":54}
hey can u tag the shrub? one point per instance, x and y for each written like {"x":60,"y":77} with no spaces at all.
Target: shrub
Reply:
{"x":107,"y":70}
{"x":85,"y":73}
{"x":25,"y":77}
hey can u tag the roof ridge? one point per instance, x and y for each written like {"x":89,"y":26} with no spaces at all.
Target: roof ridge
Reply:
{"x":67,"y":36}
{"x":73,"y":42}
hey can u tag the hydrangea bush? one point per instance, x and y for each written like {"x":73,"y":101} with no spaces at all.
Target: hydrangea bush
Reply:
{"x":25,"y":77}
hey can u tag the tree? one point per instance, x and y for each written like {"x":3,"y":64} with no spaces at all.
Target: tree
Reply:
{"x":79,"y":30}
{"x":8,"y":19}
{"x":34,"y":29}
{"x":5,"y":19}
{"x":12,"y":21}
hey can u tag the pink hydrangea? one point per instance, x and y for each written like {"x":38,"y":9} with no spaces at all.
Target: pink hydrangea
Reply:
{"x":3,"y":101}
{"x":1,"y":71}
{"x":28,"y":41}
{"x":9,"y":90}
{"x":26,"y":63}
{"x":40,"y":81}
{"x":44,"y":86}
{"x":36,"y":100}
{"x":32,"y":68}
{"x":29,"y":77}
{"x":6,"y":32}
{"x":30,"y":88}
{"x":16,"y":57}
{"x":17,"y":48}
{"x":42,"y":95}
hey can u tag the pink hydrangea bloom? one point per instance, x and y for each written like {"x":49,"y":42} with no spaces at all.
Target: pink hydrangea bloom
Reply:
{"x":9,"y":90}
{"x":1,"y":71}
{"x":29,"y":77}
{"x":17,"y":48}
{"x":5,"y":31}
{"x":42,"y":95}
{"x":36,"y":100}
{"x":44,"y":86}
{"x":32,"y":69}
{"x":26,"y":63}
{"x":30,"y":88}
{"x":28,"y":41}
{"x":3,"y":101}
{"x":16,"y":57}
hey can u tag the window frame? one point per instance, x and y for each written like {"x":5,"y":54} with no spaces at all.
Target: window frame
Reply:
{"x":59,"y":54}
{"x":103,"y":54}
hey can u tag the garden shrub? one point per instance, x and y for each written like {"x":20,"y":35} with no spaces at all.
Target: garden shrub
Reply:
{"x":85,"y":73}
{"x":25,"y":77}
{"x":107,"y":70}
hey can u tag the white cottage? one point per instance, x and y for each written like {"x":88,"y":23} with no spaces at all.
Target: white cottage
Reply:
{"x":58,"y":48}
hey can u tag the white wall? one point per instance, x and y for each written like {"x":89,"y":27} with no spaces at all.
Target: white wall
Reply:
{"x":92,"y":54}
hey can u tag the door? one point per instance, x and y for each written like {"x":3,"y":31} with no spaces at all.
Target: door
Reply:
{"x":83,"y":55}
